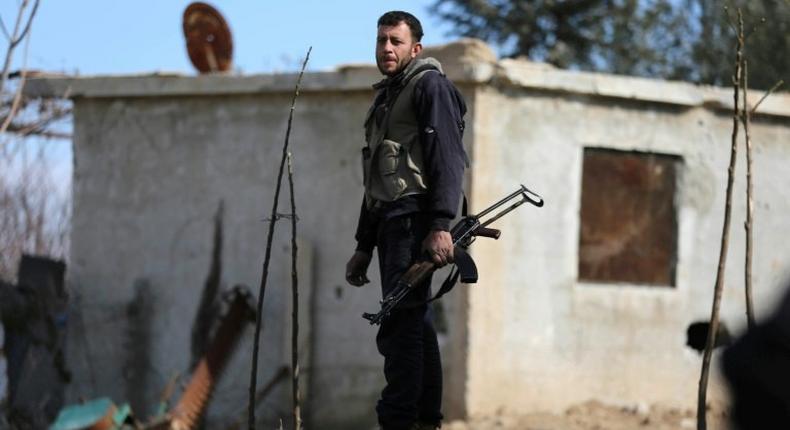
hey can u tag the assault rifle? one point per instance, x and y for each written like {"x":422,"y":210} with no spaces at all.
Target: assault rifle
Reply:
{"x":464,"y":232}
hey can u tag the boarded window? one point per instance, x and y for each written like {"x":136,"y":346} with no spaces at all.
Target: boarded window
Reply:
{"x":628,"y":218}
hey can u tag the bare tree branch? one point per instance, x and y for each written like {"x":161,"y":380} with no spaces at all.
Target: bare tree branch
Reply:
{"x":267,"y":257}
{"x":38,"y":127}
{"x":767,"y":93}
{"x":15,"y":38}
{"x":749,"y":224}
{"x":11,"y":45}
{"x":281,"y":375}
{"x":754,"y":29}
{"x":18,"y":95}
{"x":713,"y":326}
{"x":35,"y":217}
{"x":29,"y":22}
{"x":296,"y":395}
{"x":25,"y":130}
{"x":5,"y":31}
{"x":730,"y":21}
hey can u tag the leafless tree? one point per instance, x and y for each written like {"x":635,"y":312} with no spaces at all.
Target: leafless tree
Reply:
{"x":34,"y":207}
{"x":742,"y":113}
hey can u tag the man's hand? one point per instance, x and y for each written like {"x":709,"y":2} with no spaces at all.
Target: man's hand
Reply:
{"x":439,"y":245}
{"x":357,"y":268}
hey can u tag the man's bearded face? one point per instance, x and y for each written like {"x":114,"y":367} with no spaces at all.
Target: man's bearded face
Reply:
{"x":395,"y":48}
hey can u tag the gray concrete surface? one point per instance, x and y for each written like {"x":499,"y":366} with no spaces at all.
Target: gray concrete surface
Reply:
{"x":155,"y":154}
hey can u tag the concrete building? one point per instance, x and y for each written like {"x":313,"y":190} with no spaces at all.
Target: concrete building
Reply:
{"x":586,"y":298}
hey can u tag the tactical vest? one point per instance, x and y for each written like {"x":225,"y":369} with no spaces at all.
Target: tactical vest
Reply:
{"x":392,"y":160}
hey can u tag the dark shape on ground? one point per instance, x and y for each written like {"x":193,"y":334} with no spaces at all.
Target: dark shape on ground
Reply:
{"x":208,"y":313}
{"x":757,"y":367}
{"x":697,"y":335}
{"x":33,"y":313}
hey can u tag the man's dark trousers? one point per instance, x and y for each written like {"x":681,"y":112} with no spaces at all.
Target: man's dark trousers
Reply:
{"x":407,"y":338}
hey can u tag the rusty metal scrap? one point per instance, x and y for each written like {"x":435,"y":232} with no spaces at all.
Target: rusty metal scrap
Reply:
{"x":189,"y":409}
{"x":193,"y":402}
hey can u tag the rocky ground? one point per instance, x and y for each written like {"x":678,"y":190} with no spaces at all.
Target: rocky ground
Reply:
{"x":594,"y":415}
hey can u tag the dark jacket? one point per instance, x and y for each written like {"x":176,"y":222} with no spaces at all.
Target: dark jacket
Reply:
{"x":440,"y":109}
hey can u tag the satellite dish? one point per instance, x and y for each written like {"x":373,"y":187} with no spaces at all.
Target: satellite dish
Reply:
{"x":209,"y":43}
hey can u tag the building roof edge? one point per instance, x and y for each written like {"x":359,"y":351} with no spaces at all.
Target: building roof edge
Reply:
{"x":466,"y":61}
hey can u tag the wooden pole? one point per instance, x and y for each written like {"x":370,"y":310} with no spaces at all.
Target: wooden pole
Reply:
{"x":267,"y":257}
{"x":297,"y":417}
{"x":719,"y":287}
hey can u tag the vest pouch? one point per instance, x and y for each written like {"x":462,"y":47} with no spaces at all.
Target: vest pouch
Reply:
{"x":389,"y":154}
{"x":365,"y":164}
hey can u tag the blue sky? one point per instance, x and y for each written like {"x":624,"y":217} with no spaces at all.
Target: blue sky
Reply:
{"x":97,"y":37}
{"x":117,"y":37}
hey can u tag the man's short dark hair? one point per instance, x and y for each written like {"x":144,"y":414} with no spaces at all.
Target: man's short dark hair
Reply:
{"x":395,"y":17}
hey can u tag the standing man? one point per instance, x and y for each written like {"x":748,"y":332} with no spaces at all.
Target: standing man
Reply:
{"x":413,"y":171}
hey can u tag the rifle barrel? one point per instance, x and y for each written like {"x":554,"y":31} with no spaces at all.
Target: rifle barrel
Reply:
{"x":493,"y":207}
{"x":504,"y":212}
{"x":525,"y":194}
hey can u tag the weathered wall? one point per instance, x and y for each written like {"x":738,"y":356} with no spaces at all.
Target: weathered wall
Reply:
{"x":149,"y":175}
{"x":539,"y":339}
{"x":154,"y":156}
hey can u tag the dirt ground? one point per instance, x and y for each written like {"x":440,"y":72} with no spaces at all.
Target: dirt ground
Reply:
{"x":594,"y":415}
